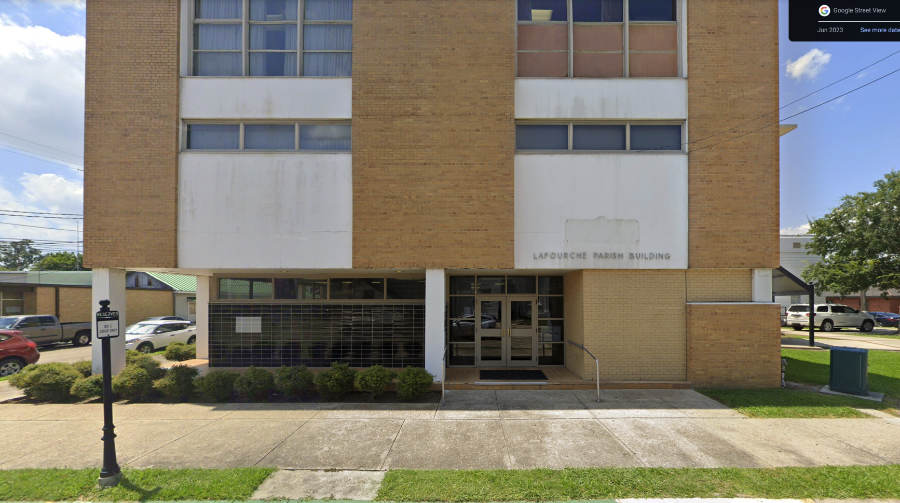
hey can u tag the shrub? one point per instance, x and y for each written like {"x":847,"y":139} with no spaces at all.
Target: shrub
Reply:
{"x":86,"y":388}
{"x":294,"y":382}
{"x":413,"y":382}
{"x":84,"y":367}
{"x":255,"y":384}
{"x":374,"y":380}
{"x":179,"y":352}
{"x":217,"y":385}
{"x":178,"y":384}
{"x":336,"y":381}
{"x":146,"y":362}
{"x":133,"y":383}
{"x":49,"y":382}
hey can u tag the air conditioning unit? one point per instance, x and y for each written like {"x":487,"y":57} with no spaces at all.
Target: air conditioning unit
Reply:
{"x":849,"y":370}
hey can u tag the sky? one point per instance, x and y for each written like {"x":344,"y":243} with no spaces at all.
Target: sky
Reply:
{"x":839,"y":148}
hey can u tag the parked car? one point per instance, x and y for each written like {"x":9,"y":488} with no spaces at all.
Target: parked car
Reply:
{"x":176,"y":318}
{"x":830,"y":317}
{"x":886,"y":319}
{"x":16,"y":351}
{"x":46,"y":329}
{"x":150,"y":335}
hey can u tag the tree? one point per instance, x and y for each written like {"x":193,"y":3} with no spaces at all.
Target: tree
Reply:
{"x":859,"y":242}
{"x":59,"y":261}
{"x":18,"y":255}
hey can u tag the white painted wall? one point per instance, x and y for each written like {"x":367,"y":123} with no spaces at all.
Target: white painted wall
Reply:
{"x":762,"y":285}
{"x":243,"y":210}
{"x":605,"y":203}
{"x":108,"y":284}
{"x":434,"y":322}
{"x":601,"y":99}
{"x":265,"y":98}
{"x":203,"y":317}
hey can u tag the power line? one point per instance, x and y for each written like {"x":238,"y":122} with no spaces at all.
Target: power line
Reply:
{"x":41,"y":212}
{"x":37,"y":227}
{"x":4,"y":214}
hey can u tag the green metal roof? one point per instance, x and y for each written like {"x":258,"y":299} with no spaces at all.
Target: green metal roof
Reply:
{"x":178,"y":282}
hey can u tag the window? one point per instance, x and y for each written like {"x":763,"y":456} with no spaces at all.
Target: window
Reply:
{"x":822,"y":309}
{"x":48,"y":321}
{"x":30,"y":322}
{"x":306,"y":289}
{"x":274,"y":39}
{"x":597,"y":137}
{"x":796,"y":244}
{"x":591,"y":38}
{"x":239,"y":288}
{"x":357,"y":288}
{"x":405,"y":288}
{"x":269,"y":137}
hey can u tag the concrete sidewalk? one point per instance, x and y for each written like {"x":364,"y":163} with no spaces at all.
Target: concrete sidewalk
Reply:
{"x":843,"y":339}
{"x":472,"y":429}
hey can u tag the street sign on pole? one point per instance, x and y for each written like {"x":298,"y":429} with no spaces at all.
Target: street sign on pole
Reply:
{"x":107,"y":328}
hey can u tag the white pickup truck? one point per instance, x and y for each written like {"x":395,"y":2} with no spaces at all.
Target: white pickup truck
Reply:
{"x":46,"y":329}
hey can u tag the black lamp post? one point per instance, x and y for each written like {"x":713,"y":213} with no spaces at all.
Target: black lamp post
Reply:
{"x":110,"y":474}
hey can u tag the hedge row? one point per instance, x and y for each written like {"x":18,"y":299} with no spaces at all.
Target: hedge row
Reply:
{"x":142,"y":379}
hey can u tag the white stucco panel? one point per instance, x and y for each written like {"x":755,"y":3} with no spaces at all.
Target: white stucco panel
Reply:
{"x":605,"y":211}
{"x":601,"y":98}
{"x":265,"y":98}
{"x":265,"y":210}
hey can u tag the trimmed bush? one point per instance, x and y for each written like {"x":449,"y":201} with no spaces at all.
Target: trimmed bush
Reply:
{"x":48,"y":382}
{"x":335,"y":382}
{"x":146,"y":362}
{"x":179,"y":352}
{"x":217,"y":385}
{"x":255,"y":384}
{"x":86,"y":388}
{"x":84,"y":367}
{"x":374,"y":380}
{"x":413,"y":382}
{"x":133,"y":383}
{"x":178,"y":384}
{"x":294,"y":382}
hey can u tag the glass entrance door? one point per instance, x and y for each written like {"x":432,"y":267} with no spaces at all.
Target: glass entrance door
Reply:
{"x":490,"y":325}
{"x":506,"y":332}
{"x":522,"y":343}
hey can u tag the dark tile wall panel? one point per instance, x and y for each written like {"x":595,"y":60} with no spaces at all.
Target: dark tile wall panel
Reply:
{"x":315,"y":335}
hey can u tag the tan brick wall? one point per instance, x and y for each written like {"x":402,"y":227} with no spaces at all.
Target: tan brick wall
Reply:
{"x":734,"y":345}
{"x":573,"y":328}
{"x":142,"y":304}
{"x":433,"y":133}
{"x":45,"y":300}
{"x":131,"y":133}
{"x":733,"y":83}
{"x":75,"y":304}
{"x":634,"y":323}
{"x":719,"y":285}
{"x":30,"y":301}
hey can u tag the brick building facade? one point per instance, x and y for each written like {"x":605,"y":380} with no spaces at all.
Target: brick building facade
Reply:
{"x":446,"y":184}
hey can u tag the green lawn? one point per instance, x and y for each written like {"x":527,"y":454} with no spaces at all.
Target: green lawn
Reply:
{"x":812,"y":367}
{"x":790,"y":403}
{"x":598,"y":483}
{"x":136,"y":485}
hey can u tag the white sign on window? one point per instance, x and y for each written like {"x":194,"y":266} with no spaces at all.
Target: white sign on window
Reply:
{"x":248,"y":324}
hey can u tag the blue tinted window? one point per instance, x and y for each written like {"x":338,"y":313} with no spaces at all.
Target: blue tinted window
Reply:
{"x":218,"y":9}
{"x":598,"y":137}
{"x":655,"y":137}
{"x":326,"y":64}
{"x":328,"y":10}
{"x":269,"y":137}
{"x":537,"y":10}
{"x":544,"y":137}
{"x":593,"y":11}
{"x":651,"y":10}
{"x":273,"y":10}
{"x":323,"y":137}
{"x":213,"y":136}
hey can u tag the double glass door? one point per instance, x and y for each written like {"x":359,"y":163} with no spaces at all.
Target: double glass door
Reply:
{"x":506,"y":334}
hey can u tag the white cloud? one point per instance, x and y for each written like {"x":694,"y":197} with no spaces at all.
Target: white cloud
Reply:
{"x":53,"y":192}
{"x":42,"y":192}
{"x":809,"y":65}
{"x":59,"y":4}
{"x":42,"y":103}
{"x":794,"y":231}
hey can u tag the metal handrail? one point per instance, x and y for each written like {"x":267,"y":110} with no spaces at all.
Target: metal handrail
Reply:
{"x":443,"y":373}
{"x":596,"y":364}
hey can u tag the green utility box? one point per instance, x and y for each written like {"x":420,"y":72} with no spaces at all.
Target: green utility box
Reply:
{"x":849,"y":370}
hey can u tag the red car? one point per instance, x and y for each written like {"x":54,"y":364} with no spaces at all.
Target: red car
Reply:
{"x":16,"y":351}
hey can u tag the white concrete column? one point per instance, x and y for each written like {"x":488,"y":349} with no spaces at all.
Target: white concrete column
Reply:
{"x":762,"y":285}
{"x":108,"y":284}
{"x":434,"y":322}
{"x":202,"y":312}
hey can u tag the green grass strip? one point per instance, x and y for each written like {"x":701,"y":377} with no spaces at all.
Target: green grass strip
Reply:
{"x":790,"y":403}
{"x":602,"y":483}
{"x":136,"y":485}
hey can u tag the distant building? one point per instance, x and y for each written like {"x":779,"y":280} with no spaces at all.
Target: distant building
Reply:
{"x":67,"y":294}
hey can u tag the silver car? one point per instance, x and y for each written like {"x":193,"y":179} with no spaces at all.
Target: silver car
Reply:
{"x":149,"y":335}
{"x":830,"y":317}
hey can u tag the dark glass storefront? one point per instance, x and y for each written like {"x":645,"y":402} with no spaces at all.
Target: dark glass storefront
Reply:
{"x":326,"y":323}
